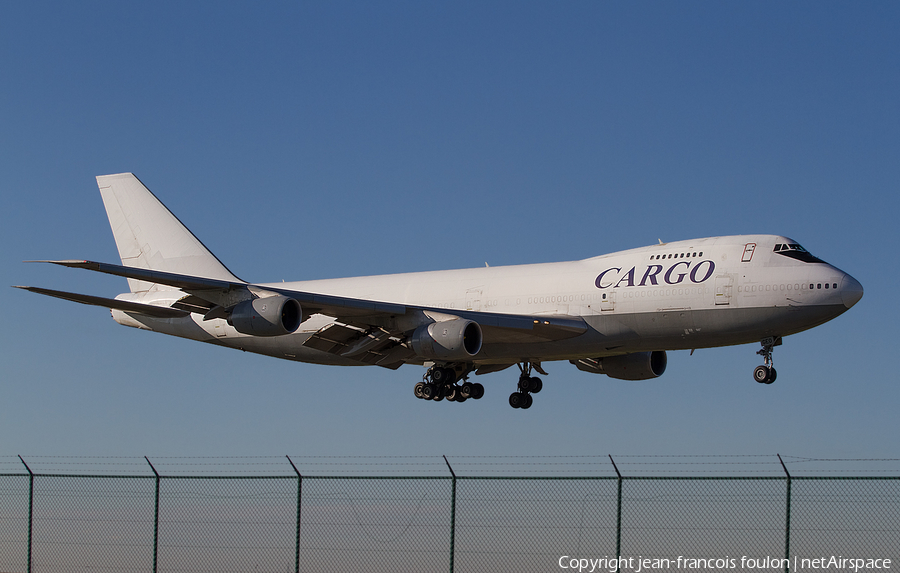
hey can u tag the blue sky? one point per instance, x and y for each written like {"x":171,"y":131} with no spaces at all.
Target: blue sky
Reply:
{"x":316,"y":140}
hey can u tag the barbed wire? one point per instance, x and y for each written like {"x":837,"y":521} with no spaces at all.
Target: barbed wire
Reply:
{"x":631,"y":465}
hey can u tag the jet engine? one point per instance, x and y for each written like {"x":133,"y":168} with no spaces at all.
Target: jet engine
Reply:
{"x":634,"y":366}
{"x":457,"y":339}
{"x":269,"y":316}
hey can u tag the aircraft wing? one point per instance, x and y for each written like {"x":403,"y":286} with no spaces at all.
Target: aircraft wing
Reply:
{"x":224,"y":293}
{"x":363,"y":328}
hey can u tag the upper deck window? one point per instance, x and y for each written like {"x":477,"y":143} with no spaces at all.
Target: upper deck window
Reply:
{"x":795,"y":251}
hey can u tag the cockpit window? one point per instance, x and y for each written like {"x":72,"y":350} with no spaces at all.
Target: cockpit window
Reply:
{"x":795,"y":251}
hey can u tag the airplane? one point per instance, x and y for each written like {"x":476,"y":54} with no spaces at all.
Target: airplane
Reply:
{"x":616,"y":314}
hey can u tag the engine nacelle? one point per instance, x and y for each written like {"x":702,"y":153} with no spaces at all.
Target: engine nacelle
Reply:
{"x":634,"y":366}
{"x":269,"y":316}
{"x":457,"y":339}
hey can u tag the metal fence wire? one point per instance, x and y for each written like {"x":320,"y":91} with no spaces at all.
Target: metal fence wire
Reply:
{"x":70,"y":523}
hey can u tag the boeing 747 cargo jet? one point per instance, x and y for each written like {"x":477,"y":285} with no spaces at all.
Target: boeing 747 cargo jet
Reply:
{"x":614,"y":314}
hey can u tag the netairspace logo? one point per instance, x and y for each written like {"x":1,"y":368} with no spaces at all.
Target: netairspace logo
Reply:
{"x":640,"y":564}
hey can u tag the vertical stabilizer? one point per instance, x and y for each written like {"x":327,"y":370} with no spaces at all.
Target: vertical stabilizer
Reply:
{"x":149,"y":236}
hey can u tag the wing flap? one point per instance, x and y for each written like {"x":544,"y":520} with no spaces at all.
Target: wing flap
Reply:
{"x":373,"y":346}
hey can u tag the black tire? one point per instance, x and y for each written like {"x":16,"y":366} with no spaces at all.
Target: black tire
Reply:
{"x":478,"y":391}
{"x":535,"y":384}
{"x":772,"y":376}
{"x":528,"y":402}
{"x":467,"y":390}
{"x":761,"y":374}
{"x":418,"y":390}
{"x":451,"y":392}
{"x":439,"y":375}
{"x":428,"y":391}
{"x":516,"y":399}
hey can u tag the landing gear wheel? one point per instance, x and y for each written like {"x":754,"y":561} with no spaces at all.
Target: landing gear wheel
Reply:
{"x":477,"y":391}
{"x":761,"y":374}
{"x":443,"y":375}
{"x":517,"y":399}
{"x":418,"y":389}
{"x":765,"y":374}
{"x":429,"y":391}
{"x":467,"y":390}
{"x":527,"y":386}
{"x":451,"y":392}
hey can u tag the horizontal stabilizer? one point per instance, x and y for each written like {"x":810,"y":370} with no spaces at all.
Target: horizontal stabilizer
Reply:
{"x":124,"y":305}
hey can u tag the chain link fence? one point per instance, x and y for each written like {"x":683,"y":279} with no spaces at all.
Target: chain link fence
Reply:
{"x":292,"y":523}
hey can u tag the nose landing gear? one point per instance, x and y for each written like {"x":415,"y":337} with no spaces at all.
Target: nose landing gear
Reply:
{"x":766,"y":374}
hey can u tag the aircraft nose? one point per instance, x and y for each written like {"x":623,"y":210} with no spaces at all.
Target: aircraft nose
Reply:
{"x":851,"y":291}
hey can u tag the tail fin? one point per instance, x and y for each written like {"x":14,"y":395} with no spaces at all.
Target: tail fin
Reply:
{"x":149,"y":236}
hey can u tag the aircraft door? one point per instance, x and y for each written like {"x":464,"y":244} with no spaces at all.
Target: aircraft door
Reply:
{"x":724,"y":285}
{"x":608,"y":301}
{"x":749,"y":249}
{"x":473,"y":298}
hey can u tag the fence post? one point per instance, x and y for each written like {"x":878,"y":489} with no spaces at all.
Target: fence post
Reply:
{"x":299,"y":499}
{"x":452,"y":513}
{"x":787,"y":524}
{"x":155,"y":517}
{"x":30,"y":508}
{"x":618,"y":514}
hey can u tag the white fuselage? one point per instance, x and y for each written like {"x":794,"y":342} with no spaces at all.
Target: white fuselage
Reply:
{"x":688,"y":294}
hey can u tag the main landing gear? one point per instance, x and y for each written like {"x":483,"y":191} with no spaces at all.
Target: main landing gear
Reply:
{"x":528,"y":385}
{"x":766,"y":373}
{"x":439,"y":382}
